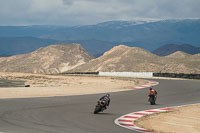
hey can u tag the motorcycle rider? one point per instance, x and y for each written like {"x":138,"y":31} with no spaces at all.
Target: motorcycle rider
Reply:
{"x":106,"y":98}
{"x":152,"y":92}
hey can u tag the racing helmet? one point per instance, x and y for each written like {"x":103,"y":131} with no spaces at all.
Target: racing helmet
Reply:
{"x":108,"y":95}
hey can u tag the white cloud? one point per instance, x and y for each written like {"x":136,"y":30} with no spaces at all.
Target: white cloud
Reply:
{"x":78,"y":12}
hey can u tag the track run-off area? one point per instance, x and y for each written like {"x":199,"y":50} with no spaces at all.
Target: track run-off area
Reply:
{"x":74,"y":114}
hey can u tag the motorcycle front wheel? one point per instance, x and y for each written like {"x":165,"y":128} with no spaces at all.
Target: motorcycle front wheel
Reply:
{"x":97,"y":109}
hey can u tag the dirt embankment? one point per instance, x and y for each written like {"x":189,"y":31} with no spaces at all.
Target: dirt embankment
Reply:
{"x":61,"y":85}
{"x":180,"y":120}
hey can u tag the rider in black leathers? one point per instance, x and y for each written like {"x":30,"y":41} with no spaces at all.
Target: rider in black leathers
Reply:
{"x":106,"y":98}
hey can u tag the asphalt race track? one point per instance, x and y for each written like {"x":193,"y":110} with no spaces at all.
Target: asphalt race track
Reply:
{"x":74,"y":114}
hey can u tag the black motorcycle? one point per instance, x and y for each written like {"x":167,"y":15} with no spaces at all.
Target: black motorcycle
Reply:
{"x":152,"y":99}
{"x":101,"y":105}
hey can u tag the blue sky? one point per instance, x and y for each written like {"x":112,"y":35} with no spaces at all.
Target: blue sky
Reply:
{"x":84,"y":12}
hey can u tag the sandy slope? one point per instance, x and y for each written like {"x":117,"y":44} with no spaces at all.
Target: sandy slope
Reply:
{"x":179,"y":120}
{"x":60,"y":85}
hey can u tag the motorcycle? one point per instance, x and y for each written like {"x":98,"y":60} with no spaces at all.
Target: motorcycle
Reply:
{"x":152,"y":99}
{"x":100,"y":107}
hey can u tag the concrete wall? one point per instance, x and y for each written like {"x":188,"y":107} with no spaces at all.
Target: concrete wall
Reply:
{"x":128,"y":74}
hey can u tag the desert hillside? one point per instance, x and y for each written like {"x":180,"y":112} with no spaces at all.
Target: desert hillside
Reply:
{"x":123,"y":58}
{"x":73,"y":58}
{"x":48,"y":60}
{"x":178,"y":55}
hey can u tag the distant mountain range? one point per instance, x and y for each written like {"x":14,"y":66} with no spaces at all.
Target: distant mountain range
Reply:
{"x":171,"y":48}
{"x":21,"y":45}
{"x":99,"y":38}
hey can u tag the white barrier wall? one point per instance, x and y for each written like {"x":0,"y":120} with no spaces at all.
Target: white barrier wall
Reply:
{"x":128,"y":74}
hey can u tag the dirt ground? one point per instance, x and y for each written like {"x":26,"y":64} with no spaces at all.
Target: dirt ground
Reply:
{"x":180,"y":120}
{"x":62,"y":85}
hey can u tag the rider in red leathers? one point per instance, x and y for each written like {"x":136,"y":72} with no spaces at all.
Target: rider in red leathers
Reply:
{"x":152,"y":92}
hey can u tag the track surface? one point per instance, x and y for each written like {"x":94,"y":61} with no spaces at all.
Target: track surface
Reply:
{"x":74,"y":114}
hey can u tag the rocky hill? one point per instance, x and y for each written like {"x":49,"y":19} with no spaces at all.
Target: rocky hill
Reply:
{"x":48,"y":60}
{"x":178,"y":55}
{"x":73,"y":58}
{"x":122,"y":58}
{"x":182,"y":63}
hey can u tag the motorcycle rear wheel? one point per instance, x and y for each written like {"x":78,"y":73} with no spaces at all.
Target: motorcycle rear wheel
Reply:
{"x":152,"y":101}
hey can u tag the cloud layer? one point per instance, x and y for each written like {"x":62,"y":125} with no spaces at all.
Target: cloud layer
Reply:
{"x":81,"y":12}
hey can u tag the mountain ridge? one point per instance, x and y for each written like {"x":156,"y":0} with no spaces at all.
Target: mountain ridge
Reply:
{"x":74,"y":58}
{"x":148,"y":35}
{"x":178,"y":54}
{"x":171,"y":48}
{"x":132,"y":59}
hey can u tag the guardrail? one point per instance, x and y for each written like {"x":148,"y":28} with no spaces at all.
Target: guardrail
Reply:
{"x":96,"y":73}
{"x":177,"y":75}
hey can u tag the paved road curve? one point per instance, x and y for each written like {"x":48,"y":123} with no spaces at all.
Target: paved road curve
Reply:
{"x":74,"y":114}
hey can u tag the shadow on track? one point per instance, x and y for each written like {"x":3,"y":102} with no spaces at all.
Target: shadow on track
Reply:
{"x":104,"y":114}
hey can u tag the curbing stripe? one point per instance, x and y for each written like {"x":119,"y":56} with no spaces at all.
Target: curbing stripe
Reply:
{"x":140,"y":114}
{"x":127,"y":121}
{"x":149,"y":84}
{"x":153,"y":111}
{"x":123,"y":122}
